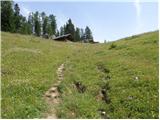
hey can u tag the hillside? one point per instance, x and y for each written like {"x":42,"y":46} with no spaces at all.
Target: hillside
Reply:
{"x":126,"y":69}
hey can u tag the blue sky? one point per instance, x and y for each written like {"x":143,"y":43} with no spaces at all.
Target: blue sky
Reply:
{"x":107,"y":20}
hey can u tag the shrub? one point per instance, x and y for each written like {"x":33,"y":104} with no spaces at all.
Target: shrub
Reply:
{"x":112,"y":46}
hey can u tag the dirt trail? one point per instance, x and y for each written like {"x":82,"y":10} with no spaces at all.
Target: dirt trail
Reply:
{"x":52,"y":95}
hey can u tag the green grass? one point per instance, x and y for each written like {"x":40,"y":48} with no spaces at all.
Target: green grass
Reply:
{"x":29,"y":68}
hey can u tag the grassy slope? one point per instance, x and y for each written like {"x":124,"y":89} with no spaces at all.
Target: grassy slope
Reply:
{"x":28,"y":69}
{"x":29,"y":65}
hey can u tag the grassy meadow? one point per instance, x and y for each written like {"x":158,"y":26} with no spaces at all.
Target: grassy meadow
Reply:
{"x":127,"y":69}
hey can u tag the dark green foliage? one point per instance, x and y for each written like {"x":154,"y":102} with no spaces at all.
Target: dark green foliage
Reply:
{"x":77,"y":35}
{"x":12,"y":21}
{"x":112,"y":46}
{"x":7,"y":16}
{"x":70,"y":28}
{"x":17,"y":18}
{"x":49,"y":30}
{"x":88,"y":35}
{"x":29,"y":28}
{"x":25,"y":27}
{"x":53,"y":24}
{"x":44,"y":23}
{"x":37,"y":24}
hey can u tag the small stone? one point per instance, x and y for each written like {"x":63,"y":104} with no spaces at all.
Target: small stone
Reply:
{"x":103,"y":112}
{"x":54,"y":96}
{"x":130,"y":97}
{"x":53,"y":90}
{"x":136,"y":78}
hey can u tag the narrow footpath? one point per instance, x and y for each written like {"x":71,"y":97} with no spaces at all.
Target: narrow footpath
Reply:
{"x":52,"y":96}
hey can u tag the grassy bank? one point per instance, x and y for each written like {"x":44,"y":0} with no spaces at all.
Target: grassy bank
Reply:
{"x":28,"y":69}
{"x":127,"y":69}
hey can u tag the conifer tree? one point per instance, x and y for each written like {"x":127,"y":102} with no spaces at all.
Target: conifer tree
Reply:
{"x":70,"y":28}
{"x":88,"y":35}
{"x":53,"y":24}
{"x":77,"y":35}
{"x":37,"y":24}
{"x":7,"y":16}
{"x":17,"y":18}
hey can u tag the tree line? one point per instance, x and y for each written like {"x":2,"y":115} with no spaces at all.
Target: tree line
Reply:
{"x":39,"y":24}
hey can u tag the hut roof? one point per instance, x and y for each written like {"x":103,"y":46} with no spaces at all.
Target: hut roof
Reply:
{"x":66,"y":36}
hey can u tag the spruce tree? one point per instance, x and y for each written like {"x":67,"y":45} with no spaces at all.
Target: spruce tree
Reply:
{"x":88,"y":35}
{"x":17,"y":18}
{"x":43,"y":16}
{"x":77,"y":35}
{"x":37,"y":24}
{"x":49,"y":30}
{"x":70,"y":28}
{"x":45,"y":25}
{"x":7,"y":16}
{"x":24,"y":26}
{"x":53,"y":24}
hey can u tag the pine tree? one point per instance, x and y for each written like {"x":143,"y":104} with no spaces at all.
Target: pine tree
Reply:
{"x":24,"y":26}
{"x":17,"y":18}
{"x":45,"y":24}
{"x":49,"y":30}
{"x":77,"y":35}
{"x":37,"y":24}
{"x":7,"y":16}
{"x":88,"y":35}
{"x":14,"y":22}
{"x":53,"y":24}
{"x":29,"y":28}
{"x":70,"y":28}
